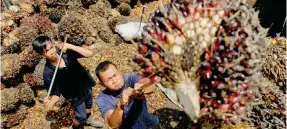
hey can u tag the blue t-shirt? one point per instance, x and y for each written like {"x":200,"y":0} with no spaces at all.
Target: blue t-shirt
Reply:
{"x":136,"y":115}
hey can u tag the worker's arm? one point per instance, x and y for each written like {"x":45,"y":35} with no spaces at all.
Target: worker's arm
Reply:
{"x":55,"y":92}
{"x":114,"y":117}
{"x":82,"y":51}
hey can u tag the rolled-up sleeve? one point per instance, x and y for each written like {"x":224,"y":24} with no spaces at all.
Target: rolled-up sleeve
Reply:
{"x":104,"y":104}
{"x":133,"y":78}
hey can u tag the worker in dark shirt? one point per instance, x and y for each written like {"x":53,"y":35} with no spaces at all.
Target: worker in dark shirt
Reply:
{"x":72,"y":80}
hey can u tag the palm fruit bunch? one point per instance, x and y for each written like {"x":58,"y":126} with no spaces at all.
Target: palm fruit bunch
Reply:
{"x":61,"y":118}
{"x":55,"y":14}
{"x":10,"y":69}
{"x":124,"y":9}
{"x":12,"y":48}
{"x":9,"y":99}
{"x":23,"y":8}
{"x":35,"y":79}
{"x":201,"y":46}
{"x":16,"y":118}
{"x":274,"y":59}
{"x":28,"y":57}
{"x":76,"y":26}
{"x":100,"y":9}
{"x":32,"y":27}
{"x":26,"y":93}
{"x":8,"y":21}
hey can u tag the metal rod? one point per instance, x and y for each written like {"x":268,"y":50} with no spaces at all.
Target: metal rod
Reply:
{"x":55,"y":72}
{"x":142,"y":16}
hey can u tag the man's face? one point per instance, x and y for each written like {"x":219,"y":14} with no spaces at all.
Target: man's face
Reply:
{"x":112,"y":78}
{"x":50,"y":52}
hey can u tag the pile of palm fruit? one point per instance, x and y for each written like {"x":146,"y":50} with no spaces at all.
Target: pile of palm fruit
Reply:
{"x":85,"y":21}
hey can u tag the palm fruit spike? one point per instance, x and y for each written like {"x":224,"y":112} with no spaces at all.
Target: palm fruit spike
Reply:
{"x":199,"y":44}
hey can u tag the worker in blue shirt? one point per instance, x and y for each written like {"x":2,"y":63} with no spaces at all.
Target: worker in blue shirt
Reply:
{"x":121,"y":104}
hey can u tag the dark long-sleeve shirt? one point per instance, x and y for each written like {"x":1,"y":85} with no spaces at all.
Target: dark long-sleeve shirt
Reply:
{"x":72,"y":81}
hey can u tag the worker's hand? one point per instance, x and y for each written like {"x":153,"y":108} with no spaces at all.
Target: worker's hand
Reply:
{"x":64,"y":46}
{"x":125,"y":98}
{"x":50,"y":101}
{"x":138,"y":94}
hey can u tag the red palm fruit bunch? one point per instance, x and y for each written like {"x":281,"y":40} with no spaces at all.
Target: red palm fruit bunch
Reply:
{"x":61,"y":118}
{"x":196,"y":45}
{"x":32,"y":27}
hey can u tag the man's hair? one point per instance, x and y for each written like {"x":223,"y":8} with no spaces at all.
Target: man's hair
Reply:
{"x":102,"y":67}
{"x":39,"y":43}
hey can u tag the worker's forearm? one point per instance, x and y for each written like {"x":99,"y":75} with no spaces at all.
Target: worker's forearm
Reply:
{"x":83,"y":51}
{"x":116,"y":117}
{"x":149,"y":89}
{"x":54,"y":99}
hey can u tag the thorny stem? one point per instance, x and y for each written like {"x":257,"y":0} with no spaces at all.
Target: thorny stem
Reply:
{"x":163,"y":8}
{"x":174,"y":9}
{"x":235,"y":62}
{"x":151,"y":38}
{"x":164,"y":23}
{"x":234,"y":15}
{"x":246,"y":21}
{"x":142,"y":17}
{"x":257,"y":103}
{"x":170,"y":79}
